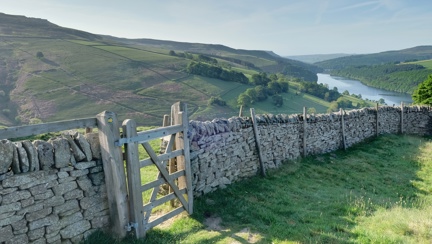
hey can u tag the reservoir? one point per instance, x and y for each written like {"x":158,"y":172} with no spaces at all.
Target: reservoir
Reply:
{"x":356,"y":87}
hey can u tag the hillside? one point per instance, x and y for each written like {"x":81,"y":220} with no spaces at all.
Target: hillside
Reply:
{"x":392,"y":70}
{"x":314,"y":58}
{"x":50,"y":73}
{"x":398,"y":56}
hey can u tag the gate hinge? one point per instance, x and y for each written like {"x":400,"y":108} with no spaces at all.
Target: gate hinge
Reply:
{"x":129,"y":226}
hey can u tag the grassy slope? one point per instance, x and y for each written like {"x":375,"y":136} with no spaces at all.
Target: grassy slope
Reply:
{"x":82,"y":74}
{"x":376,"y":192}
{"x":140,"y":83}
{"x":426,"y":63}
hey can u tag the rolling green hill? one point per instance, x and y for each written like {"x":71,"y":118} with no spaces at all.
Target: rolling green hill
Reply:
{"x":399,"y":56}
{"x":399,"y":71}
{"x":50,"y":73}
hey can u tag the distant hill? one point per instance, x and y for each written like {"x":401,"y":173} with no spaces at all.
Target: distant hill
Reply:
{"x":266,"y":61}
{"x":50,"y":73}
{"x":398,"y":56}
{"x":313,"y":58}
{"x":392,"y":70}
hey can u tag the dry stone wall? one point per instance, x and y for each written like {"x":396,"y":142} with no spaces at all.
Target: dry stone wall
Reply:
{"x":52,"y":192}
{"x":224,"y":150}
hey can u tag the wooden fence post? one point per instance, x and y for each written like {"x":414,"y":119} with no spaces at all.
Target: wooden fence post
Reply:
{"x":115,"y":179}
{"x":241,"y":111}
{"x":402,"y":118}
{"x":176,"y":108}
{"x":343,"y":128}
{"x":377,"y":121}
{"x":134,"y":178}
{"x":304,"y":131}
{"x":257,"y":142}
{"x":184,"y":143}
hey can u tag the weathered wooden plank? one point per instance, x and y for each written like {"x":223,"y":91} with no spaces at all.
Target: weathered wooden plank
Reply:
{"x":165,"y":123}
{"x":134,"y":178}
{"x":186,"y":148}
{"x":162,"y":200}
{"x":164,"y":173}
{"x":162,"y":157}
{"x":176,"y":108}
{"x":257,"y":142}
{"x":343,"y":129}
{"x":32,"y":130}
{"x":114,"y":172}
{"x":304,"y":132}
{"x":377,"y":120}
{"x":402,"y":118}
{"x":149,"y":135}
{"x":164,"y":218}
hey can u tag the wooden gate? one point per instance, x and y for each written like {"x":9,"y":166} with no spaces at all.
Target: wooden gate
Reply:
{"x":179,"y":181}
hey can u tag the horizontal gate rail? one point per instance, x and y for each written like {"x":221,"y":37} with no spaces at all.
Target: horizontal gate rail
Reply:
{"x":33,"y":130}
{"x":163,"y":157}
{"x":161,"y":200}
{"x":149,"y":135}
{"x":161,"y":180}
{"x":167,"y":216}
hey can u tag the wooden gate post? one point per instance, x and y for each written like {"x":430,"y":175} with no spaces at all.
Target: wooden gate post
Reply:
{"x":176,"y":108}
{"x":134,"y":179}
{"x":115,"y":179}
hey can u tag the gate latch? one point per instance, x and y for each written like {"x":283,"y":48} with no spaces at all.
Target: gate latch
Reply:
{"x":129,"y":226}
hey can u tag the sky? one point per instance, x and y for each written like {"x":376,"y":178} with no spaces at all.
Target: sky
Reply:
{"x":286,"y":27}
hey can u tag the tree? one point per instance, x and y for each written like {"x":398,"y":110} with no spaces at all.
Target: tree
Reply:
{"x":277,"y":100}
{"x":311,"y":110}
{"x":172,"y":53}
{"x":423,"y":93}
{"x":39,"y":55}
{"x":251,"y":92}
{"x":244,"y":100}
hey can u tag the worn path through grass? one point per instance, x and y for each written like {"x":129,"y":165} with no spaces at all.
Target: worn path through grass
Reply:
{"x":376,"y":192}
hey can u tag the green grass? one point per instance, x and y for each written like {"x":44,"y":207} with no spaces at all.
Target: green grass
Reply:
{"x":376,"y":192}
{"x":426,"y":63}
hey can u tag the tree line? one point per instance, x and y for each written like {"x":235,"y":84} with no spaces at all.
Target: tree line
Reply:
{"x":393,"y":77}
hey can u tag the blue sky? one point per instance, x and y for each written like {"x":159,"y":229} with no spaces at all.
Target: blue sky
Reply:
{"x":286,"y":27}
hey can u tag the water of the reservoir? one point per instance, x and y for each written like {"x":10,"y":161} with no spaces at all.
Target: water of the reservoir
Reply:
{"x":371,"y":93}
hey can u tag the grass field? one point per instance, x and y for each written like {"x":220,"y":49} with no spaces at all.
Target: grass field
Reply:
{"x":376,"y":192}
{"x":81,"y":78}
{"x":426,"y":63}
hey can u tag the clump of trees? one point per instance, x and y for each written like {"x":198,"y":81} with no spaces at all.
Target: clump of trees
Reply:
{"x":423,"y":93}
{"x":216,"y":101}
{"x":216,"y":72}
{"x":320,"y":90}
{"x":265,"y":86}
{"x":39,"y":55}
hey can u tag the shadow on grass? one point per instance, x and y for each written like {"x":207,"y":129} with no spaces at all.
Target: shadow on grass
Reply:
{"x":319,"y":199}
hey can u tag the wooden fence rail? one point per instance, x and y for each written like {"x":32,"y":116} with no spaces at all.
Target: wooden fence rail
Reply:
{"x":32,"y":130}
